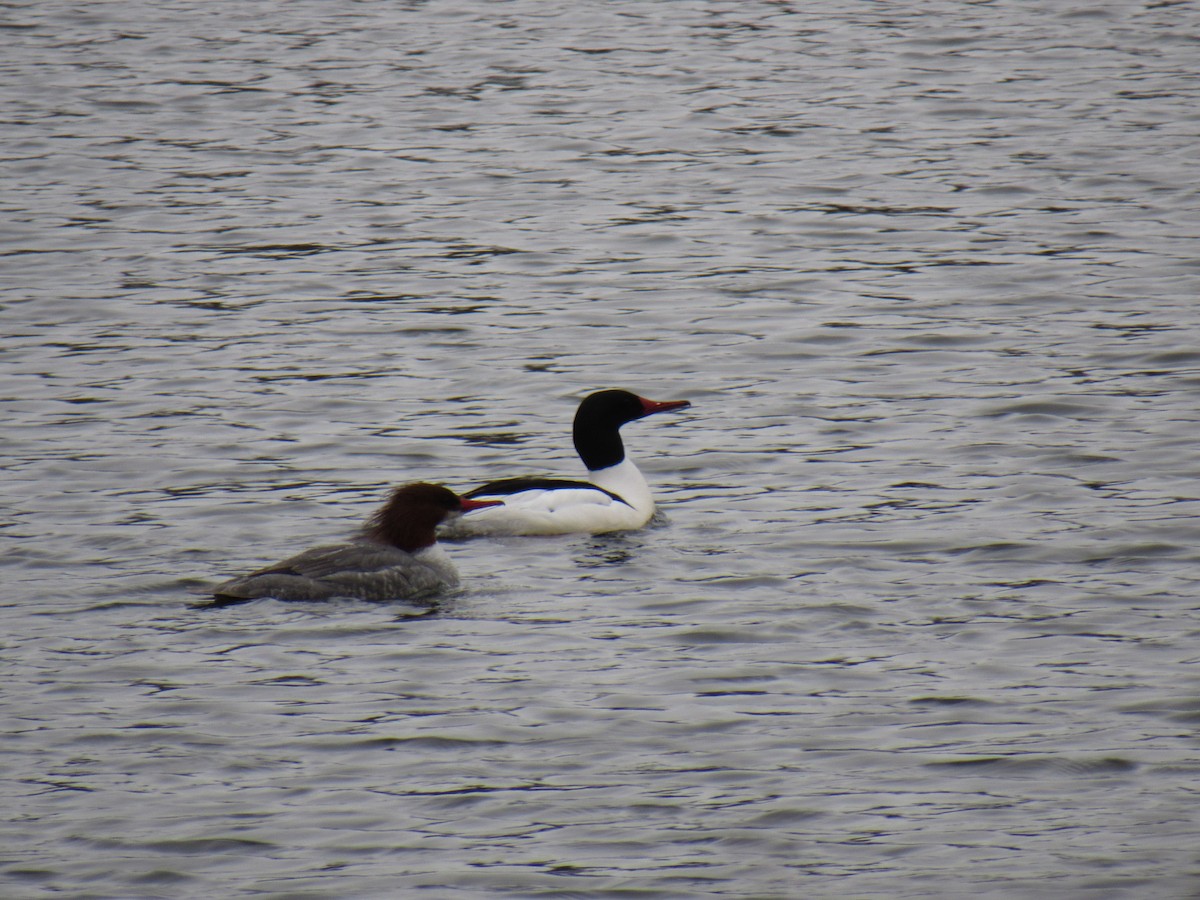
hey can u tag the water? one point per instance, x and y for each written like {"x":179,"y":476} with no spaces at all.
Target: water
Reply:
{"x":920,"y":615}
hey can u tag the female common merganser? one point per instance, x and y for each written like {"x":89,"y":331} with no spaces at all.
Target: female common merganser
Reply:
{"x":394,"y":556}
{"x":616,"y":498}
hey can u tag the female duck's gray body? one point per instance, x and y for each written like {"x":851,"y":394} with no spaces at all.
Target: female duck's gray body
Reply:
{"x":393,"y":557}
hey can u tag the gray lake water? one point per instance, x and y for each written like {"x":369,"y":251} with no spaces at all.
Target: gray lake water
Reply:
{"x":920,"y":615}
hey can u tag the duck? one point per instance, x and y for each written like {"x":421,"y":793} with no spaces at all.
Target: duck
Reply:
{"x":394,"y":556}
{"x":615,"y":497}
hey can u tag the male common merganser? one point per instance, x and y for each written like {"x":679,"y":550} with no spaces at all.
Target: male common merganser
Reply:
{"x":616,"y":498}
{"x":394,"y":556}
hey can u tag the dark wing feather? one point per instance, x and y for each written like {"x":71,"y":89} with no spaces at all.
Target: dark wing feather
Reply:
{"x":508,"y":486}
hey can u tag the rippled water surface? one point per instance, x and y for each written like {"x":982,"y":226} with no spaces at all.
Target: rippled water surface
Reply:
{"x":920,"y":615}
